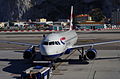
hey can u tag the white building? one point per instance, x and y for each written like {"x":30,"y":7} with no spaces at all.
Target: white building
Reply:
{"x":2,"y":24}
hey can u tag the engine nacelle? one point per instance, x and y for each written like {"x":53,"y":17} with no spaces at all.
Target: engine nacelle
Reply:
{"x":91,"y":54}
{"x":29,"y":53}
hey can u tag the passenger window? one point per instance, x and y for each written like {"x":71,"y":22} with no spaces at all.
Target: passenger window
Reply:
{"x":51,"y":43}
{"x":56,"y":43}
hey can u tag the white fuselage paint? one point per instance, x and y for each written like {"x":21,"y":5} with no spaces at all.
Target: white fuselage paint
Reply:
{"x":57,"y":43}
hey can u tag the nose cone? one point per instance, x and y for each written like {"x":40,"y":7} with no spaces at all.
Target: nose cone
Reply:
{"x":46,"y":50}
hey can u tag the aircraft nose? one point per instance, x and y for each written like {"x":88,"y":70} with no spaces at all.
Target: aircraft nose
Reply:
{"x":49,"y":51}
{"x":46,"y":50}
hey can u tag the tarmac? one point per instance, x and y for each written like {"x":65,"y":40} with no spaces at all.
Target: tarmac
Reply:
{"x":106,"y":65}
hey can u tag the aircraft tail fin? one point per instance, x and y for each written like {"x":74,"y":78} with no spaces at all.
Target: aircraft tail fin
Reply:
{"x":71,"y":18}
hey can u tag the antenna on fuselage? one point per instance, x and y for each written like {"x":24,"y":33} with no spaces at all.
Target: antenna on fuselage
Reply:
{"x":43,"y":35}
{"x":71,"y":18}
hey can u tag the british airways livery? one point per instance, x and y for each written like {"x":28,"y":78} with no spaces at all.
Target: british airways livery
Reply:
{"x":55,"y":45}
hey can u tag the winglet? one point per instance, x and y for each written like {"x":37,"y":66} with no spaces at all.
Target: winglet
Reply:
{"x":71,"y":18}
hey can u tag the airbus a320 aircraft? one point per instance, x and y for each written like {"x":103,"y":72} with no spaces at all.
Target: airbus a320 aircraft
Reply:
{"x":57,"y":44}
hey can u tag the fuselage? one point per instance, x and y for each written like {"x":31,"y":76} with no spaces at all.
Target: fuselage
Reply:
{"x":55,"y":44}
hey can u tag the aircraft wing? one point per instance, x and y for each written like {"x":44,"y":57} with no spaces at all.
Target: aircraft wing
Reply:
{"x":19,"y":43}
{"x":93,"y":44}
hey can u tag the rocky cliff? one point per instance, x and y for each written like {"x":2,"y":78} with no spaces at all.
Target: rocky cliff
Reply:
{"x":51,"y":9}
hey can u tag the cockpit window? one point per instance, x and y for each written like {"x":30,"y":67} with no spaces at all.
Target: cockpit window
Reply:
{"x":57,"y":43}
{"x":45,"y":43}
{"x":51,"y":43}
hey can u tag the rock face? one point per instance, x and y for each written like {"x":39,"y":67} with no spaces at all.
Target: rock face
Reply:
{"x":51,"y":9}
{"x":13,"y":9}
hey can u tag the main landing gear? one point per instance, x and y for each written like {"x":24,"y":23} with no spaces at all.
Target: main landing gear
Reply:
{"x":82,"y":56}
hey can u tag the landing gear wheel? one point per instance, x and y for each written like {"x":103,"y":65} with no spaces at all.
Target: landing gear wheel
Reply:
{"x":85,"y":57}
{"x":80,"y":57}
{"x":53,"y":67}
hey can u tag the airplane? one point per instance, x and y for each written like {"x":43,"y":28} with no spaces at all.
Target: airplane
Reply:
{"x":57,"y":44}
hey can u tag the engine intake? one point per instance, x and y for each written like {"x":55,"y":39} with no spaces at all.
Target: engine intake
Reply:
{"x":29,"y":53}
{"x":91,"y":54}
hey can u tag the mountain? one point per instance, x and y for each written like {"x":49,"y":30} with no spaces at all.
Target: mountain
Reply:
{"x":51,"y":9}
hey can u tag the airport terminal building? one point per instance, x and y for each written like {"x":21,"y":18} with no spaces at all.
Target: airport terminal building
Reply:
{"x":115,"y":20}
{"x":92,"y":25}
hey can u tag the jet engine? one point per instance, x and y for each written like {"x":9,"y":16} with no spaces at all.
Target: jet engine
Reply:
{"x":29,"y":53}
{"x":91,"y":54}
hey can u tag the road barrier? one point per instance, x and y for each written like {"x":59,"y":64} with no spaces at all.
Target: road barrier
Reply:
{"x":80,"y":30}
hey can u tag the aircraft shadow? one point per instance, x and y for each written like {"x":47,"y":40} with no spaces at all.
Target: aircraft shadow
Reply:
{"x":16,"y":66}
{"x":73,"y":61}
{"x":77,"y":61}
